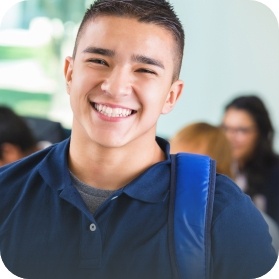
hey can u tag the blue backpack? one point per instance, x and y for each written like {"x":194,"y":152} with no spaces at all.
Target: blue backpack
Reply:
{"x":191,"y":206}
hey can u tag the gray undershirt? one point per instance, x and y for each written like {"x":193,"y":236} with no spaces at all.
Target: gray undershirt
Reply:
{"x":93,"y":197}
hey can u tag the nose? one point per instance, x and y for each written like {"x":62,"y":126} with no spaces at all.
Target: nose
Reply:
{"x":233,"y":137}
{"x":230,"y":136}
{"x":229,"y":133}
{"x":117,"y":83}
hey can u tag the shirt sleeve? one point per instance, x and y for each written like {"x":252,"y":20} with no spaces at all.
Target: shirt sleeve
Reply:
{"x":241,"y":246}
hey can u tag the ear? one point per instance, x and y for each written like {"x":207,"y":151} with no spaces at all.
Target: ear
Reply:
{"x":173,"y":96}
{"x":68,"y":71}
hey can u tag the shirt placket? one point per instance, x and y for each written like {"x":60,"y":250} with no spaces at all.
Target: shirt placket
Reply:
{"x":90,"y":245}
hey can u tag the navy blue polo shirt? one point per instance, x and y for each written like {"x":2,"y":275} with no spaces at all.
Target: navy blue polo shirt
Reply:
{"x":46,"y":230}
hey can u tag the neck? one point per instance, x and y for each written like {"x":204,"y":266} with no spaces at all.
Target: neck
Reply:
{"x":112,"y":168}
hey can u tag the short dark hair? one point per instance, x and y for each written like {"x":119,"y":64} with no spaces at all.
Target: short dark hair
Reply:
{"x":159,"y":12}
{"x":14,"y":130}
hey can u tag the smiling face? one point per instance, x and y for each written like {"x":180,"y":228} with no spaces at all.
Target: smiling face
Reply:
{"x":121,"y":80}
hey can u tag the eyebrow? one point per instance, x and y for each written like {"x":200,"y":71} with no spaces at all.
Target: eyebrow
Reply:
{"x":98,"y":50}
{"x":147,"y":60}
{"x":136,"y":58}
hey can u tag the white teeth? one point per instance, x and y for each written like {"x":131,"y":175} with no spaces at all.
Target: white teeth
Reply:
{"x":112,"y":112}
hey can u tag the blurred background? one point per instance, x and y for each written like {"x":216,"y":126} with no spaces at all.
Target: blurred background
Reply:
{"x":232,"y":48}
{"x":35,"y":36}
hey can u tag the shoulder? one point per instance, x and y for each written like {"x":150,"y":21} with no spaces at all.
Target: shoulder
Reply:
{"x":227,"y":194}
{"x":240,"y":237}
{"x":31,"y":162}
{"x":232,"y":205}
{"x":15,"y":176}
{"x":21,"y":181}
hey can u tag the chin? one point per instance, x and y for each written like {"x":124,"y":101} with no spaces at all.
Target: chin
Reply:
{"x":112,"y":143}
{"x":236,"y":156}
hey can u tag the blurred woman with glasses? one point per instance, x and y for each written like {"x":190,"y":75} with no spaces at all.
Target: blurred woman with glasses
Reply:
{"x":248,"y":127}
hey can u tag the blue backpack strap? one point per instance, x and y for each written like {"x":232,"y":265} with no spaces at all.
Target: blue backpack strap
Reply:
{"x":191,"y":206}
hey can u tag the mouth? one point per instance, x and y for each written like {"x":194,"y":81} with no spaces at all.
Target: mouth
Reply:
{"x":112,"y":111}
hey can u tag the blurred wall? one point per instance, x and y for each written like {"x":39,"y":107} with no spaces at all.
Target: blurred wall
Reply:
{"x":232,"y":48}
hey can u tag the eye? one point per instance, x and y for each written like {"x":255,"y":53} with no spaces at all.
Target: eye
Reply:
{"x":98,"y":61}
{"x":147,"y":71}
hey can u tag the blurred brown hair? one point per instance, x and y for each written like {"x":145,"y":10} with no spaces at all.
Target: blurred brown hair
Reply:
{"x":207,"y":139}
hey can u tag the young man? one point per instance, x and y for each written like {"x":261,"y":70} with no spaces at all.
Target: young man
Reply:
{"x":98,"y":205}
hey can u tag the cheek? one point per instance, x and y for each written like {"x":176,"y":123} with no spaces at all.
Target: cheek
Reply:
{"x":153,"y":97}
{"x":78,"y":101}
{"x":245,"y":146}
{"x":80,"y":88}
{"x":250,"y":141}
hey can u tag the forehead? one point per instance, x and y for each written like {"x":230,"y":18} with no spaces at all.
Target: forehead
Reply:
{"x":128,"y":34}
{"x":238,"y":117}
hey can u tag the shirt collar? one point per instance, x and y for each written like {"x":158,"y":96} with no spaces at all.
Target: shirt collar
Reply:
{"x":54,"y":167}
{"x":151,"y":186}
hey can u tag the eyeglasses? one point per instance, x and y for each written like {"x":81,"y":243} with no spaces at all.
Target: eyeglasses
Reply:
{"x":238,"y":130}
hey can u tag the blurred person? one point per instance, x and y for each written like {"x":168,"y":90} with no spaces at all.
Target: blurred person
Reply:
{"x":249,"y":129}
{"x":46,"y":131}
{"x":207,"y":139}
{"x":103,"y":203}
{"x":16,"y":138}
